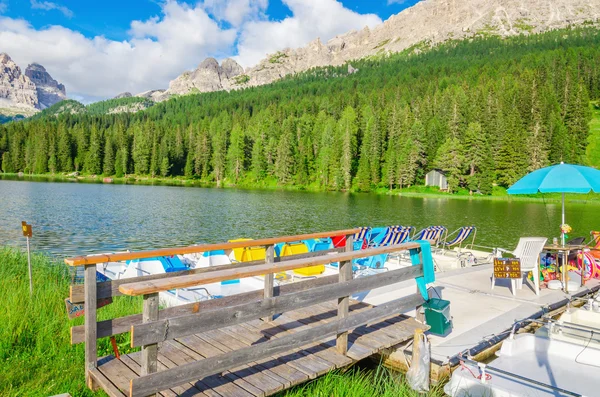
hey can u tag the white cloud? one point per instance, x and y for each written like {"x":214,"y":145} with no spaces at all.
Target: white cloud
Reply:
{"x":48,"y":5}
{"x":236,"y":12}
{"x":310,"y":19}
{"x":162,"y":47}
{"x":159,"y":50}
{"x":3,"y":6}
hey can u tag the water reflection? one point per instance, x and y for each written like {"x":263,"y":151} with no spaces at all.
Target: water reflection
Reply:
{"x":70,"y":218}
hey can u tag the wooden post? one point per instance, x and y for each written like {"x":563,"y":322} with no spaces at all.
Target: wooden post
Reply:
{"x":269,"y":278}
{"x":345,"y":269}
{"x":91,"y":352}
{"x":150,"y":352}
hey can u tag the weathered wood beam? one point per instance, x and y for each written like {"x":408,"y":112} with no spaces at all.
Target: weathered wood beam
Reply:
{"x":149,"y":360}
{"x":110,"y":288}
{"x":146,"y":287}
{"x":123,"y":324}
{"x":147,"y":385}
{"x":125,"y":256}
{"x":91,"y":350}
{"x":269,"y":278}
{"x":170,"y":328}
{"x":345,"y":274}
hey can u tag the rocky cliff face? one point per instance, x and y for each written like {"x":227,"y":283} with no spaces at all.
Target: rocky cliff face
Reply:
{"x":208,"y":76}
{"x":49,"y":91}
{"x":16,"y":89}
{"x":29,"y":92}
{"x":429,"y":22}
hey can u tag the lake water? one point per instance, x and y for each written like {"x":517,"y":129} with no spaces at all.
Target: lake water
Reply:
{"x":79,"y":218}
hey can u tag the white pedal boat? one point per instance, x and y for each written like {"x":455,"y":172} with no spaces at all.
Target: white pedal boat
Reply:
{"x":561,"y":359}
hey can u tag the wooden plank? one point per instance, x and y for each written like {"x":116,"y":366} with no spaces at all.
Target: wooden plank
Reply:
{"x":168,"y":378}
{"x":296,"y":358}
{"x":193,"y":249}
{"x":227,"y":383}
{"x":269,"y":278}
{"x":252,"y":372}
{"x":149,"y":351}
{"x":146,"y":287}
{"x":318,"y":316}
{"x":123,"y":324}
{"x":133,"y":361}
{"x":345,"y":274}
{"x":91,"y":350}
{"x":110,"y":288}
{"x":322,"y":348}
{"x":158,"y":331}
{"x":290,"y":375}
{"x":118,"y":373}
{"x":105,"y":383}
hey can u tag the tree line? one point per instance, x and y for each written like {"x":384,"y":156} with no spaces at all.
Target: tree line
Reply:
{"x":486,"y":111}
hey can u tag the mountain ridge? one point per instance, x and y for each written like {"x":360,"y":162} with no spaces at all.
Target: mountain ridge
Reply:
{"x":428,"y":22}
{"x":29,"y":92}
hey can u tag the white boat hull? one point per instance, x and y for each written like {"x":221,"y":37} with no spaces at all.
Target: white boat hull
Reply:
{"x":540,"y":359}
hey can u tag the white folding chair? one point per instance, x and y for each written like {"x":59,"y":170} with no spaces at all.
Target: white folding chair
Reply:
{"x":528,"y":251}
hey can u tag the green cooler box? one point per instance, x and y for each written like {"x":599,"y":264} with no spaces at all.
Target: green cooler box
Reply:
{"x":437,"y":316}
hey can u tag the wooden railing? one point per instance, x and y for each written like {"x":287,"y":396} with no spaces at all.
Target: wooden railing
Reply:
{"x":150,"y":328}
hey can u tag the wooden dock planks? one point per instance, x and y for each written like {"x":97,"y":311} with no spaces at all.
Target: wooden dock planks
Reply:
{"x":267,"y":376}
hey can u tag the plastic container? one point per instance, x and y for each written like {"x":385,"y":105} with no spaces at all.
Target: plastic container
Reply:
{"x":437,"y":316}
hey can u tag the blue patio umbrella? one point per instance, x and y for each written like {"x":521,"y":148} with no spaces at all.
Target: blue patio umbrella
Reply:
{"x":559,"y":178}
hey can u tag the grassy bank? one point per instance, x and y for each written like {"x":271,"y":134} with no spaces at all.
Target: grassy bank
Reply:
{"x":499,"y":193}
{"x":359,"y":383}
{"x":37,"y":359}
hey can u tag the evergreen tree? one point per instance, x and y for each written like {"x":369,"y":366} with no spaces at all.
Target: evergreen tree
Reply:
{"x":109,"y":157}
{"x":451,"y":159}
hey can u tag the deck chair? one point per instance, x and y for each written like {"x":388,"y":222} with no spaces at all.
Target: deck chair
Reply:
{"x":528,"y":251}
{"x":385,"y":236}
{"x":458,"y":237}
{"x":436,"y":234}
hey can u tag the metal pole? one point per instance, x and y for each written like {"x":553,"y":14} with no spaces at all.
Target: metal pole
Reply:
{"x":562,"y":235}
{"x":564,"y":253}
{"x":29,"y":264}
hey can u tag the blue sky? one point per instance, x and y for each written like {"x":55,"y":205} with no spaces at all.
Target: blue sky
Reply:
{"x":101,"y":48}
{"x":111,"y":18}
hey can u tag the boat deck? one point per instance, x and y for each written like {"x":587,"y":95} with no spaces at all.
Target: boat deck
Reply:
{"x":267,"y":376}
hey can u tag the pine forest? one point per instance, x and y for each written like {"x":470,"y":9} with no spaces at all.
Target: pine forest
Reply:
{"x":486,"y":111}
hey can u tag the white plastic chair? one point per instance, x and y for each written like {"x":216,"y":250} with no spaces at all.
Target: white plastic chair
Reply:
{"x":528,"y":251}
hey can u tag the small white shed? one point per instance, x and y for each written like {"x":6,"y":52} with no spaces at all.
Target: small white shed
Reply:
{"x":437,"y":178}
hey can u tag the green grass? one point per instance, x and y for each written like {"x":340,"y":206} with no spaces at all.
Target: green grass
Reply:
{"x":36,"y":357}
{"x":359,"y":383}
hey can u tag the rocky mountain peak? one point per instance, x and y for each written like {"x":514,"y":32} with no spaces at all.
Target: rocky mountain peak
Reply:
{"x":209,"y":64}
{"x":230,"y":68}
{"x":208,"y":76}
{"x":27,"y":92}
{"x":49,"y":91}
{"x":5,"y":58}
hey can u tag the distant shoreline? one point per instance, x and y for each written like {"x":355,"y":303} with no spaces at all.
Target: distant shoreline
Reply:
{"x":413,"y":192}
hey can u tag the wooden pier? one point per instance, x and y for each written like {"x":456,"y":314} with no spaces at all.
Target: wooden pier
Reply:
{"x":252,"y":344}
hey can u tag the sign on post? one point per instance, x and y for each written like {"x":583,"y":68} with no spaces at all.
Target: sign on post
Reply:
{"x":27,"y":233}
{"x":507,"y":268}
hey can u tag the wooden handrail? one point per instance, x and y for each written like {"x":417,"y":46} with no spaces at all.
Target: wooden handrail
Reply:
{"x":165,"y":284}
{"x":108,"y":289}
{"x":124,"y":256}
{"x":168,"y":328}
